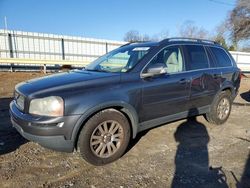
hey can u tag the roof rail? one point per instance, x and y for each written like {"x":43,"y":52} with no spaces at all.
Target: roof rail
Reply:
{"x":128,"y":43}
{"x":208,"y":41}
{"x":189,"y":39}
{"x":136,"y":42}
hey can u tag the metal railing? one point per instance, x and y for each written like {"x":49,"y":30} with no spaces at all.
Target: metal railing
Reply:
{"x":43,"y":64}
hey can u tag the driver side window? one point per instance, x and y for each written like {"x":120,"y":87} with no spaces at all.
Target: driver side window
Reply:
{"x":171,"y":57}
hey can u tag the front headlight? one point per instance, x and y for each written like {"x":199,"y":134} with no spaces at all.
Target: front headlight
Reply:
{"x":48,"y":106}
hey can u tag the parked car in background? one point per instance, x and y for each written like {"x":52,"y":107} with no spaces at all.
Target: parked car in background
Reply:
{"x":99,"y":109}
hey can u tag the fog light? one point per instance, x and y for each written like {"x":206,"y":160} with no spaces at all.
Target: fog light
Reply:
{"x":60,"y":124}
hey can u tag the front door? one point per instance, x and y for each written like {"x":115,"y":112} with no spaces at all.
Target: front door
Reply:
{"x":166,"y":94}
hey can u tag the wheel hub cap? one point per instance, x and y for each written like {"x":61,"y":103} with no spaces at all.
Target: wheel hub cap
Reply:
{"x":106,"y":139}
{"x":223,"y":108}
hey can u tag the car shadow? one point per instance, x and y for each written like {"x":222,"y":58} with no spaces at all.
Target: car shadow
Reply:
{"x":192,"y":167}
{"x":10,"y":139}
{"x":245,"y":179}
{"x":246,"y":96}
{"x":134,"y":141}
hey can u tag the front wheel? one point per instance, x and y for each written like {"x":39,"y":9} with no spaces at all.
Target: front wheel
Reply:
{"x":220,"y":108}
{"x":105,"y":137}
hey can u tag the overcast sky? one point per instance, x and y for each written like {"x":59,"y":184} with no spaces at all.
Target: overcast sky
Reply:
{"x":111,"y":19}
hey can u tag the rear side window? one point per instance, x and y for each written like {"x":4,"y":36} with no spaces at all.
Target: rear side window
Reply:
{"x":197,"y":57}
{"x":211,"y":58}
{"x":221,"y":57}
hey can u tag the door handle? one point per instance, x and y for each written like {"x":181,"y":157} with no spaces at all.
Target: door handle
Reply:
{"x":216,"y":75}
{"x":184,"y":81}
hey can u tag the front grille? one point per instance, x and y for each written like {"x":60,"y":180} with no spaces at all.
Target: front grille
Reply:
{"x":20,"y":99}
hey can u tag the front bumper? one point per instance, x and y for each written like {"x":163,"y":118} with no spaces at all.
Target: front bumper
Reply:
{"x":50,"y":132}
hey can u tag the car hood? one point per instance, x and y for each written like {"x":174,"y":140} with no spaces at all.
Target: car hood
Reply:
{"x":67,"y":80}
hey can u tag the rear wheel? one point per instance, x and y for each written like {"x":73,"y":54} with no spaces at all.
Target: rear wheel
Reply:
{"x":105,"y":137}
{"x":220,"y":109}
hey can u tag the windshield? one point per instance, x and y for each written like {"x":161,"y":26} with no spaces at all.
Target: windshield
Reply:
{"x":119,"y":60}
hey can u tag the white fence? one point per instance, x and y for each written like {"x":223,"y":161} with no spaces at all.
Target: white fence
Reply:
{"x":40,"y":46}
{"x":242,"y":59}
{"x":30,"y":45}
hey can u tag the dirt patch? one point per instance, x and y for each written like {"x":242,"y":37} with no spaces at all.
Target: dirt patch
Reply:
{"x":10,"y":79}
{"x":189,"y":153}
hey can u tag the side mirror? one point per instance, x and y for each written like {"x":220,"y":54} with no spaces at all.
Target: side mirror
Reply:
{"x":155,"y":69}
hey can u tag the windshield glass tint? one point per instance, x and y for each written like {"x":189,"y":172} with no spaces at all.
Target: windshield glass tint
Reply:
{"x":119,"y":60}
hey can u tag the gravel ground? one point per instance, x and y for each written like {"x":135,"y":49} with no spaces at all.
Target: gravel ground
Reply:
{"x":185,"y":153}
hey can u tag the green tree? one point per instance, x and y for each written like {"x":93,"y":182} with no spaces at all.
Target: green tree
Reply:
{"x":221,"y":40}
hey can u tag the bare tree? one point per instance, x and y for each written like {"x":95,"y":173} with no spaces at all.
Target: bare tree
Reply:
{"x":246,"y":49}
{"x":222,"y":29}
{"x":240,"y":21}
{"x":145,"y":37}
{"x":132,"y":36}
{"x":160,"y":36}
{"x":135,"y":36}
{"x":188,"y":29}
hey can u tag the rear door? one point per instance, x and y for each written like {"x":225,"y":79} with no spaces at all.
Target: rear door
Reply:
{"x":166,"y":94}
{"x":215,"y":72}
{"x":223,"y":64}
{"x":203,"y":83}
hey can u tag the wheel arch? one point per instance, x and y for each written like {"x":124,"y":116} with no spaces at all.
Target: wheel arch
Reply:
{"x":122,"y":107}
{"x":228,"y":86}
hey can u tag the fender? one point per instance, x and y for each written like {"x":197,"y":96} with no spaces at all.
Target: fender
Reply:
{"x":126,"y":108}
{"x":228,"y":85}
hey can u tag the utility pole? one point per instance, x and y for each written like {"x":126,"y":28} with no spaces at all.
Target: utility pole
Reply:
{"x":5,"y":23}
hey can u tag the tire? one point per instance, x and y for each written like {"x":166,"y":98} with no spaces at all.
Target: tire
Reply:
{"x":222,"y":103}
{"x":104,"y":138}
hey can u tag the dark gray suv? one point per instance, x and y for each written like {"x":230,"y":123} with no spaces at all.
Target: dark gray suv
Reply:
{"x":100,"y":108}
